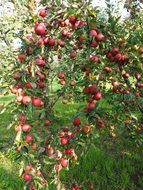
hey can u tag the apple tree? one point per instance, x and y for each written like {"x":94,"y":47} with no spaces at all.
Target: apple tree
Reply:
{"x":67,"y":54}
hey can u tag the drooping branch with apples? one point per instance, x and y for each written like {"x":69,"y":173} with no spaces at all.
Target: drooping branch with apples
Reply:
{"x":68,"y":55}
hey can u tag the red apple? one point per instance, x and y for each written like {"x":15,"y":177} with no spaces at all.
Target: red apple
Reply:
{"x":72,"y":83}
{"x":100,"y":37}
{"x":138,"y":76}
{"x":19,"y":98}
{"x":94,"y":59}
{"x":141,"y":50}
{"x":93,"y":89}
{"x":115,"y":51}
{"x":29,"y":50}
{"x":109,"y":55}
{"x":19,"y":86}
{"x":37,"y":102}
{"x":29,"y":138}
{"x":97,"y":96}
{"x":64,"y":140}
{"x":42,"y":77}
{"x":58,"y":167}
{"x":76,"y":121}
{"x":40,"y":29}
{"x":62,"y":81}
{"x":60,"y":42}
{"x":71,"y":135}
{"x":43,"y":12}
{"x":86,"y":90}
{"x":100,"y":123}
{"x":66,"y":22}
{"x":26,"y":128}
{"x":126,"y":75}
{"x":13,"y":89}
{"x":17,"y":75}
{"x":29,"y":37}
{"x":26,"y":100}
{"x":50,"y":151}
{"x":41,"y":84}
{"x":78,"y":24}
{"x":64,"y":162}
{"x":81,"y":39}
{"x":137,"y":94}
{"x":72,"y":54}
{"x":118,"y":57}
{"x":86,"y":128}
{"x":69,"y":151}
{"x":61,"y":134}
{"x":21,"y":118}
{"x":28,"y":85}
{"x":46,"y":122}
{"x":93,"y":33}
{"x":46,"y":41}
{"x":61,"y":75}
{"x":40,"y":42}
{"x":115,"y":83}
{"x":61,"y":22}
{"x":40,"y":62}
{"x":64,"y":33}
{"x":51,"y":42}
{"x":72,"y":19}
{"x":75,"y":187}
{"x":17,"y":129}
{"x":108,"y":69}
{"x":59,"y":56}
{"x":78,"y":129}
{"x":27,"y":177}
{"x":125,"y":58}
{"x":34,"y":146}
{"x":91,"y":105}
{"x":93,"y":43}
{"x":66,"y":129}
{"x":21,"y":57}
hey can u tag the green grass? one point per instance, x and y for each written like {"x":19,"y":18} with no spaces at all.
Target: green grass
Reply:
{"x":9,"y":179}
{"x":6,"y":134}
{"x":5,"y":99}
{"x":106,"y":171}
{"x":110,"y":165}
{"x":65,"y":112}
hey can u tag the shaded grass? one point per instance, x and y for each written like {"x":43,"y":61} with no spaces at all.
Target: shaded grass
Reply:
{"x":107,"y":172}
{"x":6,"y":135}
{"x":9,"y":179}
{"x":66,"y":112}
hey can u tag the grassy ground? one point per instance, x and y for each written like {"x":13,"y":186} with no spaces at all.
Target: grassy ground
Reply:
{"x":110,"y":165}
{"x":5,"y":119}
{"x":9,"y":179}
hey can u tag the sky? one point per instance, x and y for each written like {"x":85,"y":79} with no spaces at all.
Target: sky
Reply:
{"x":98,"y":3}
{"x":8,"y":8}
{"x":118,"y":7}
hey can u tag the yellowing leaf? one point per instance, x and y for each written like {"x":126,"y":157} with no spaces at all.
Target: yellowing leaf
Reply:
{"x":91,"y":76}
